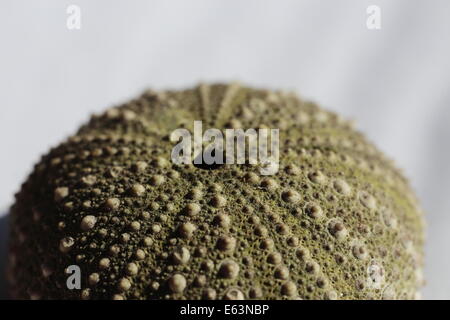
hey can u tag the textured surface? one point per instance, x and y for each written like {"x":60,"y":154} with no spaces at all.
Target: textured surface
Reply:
{"x":338,"y":221}
{"x":393,"y":81}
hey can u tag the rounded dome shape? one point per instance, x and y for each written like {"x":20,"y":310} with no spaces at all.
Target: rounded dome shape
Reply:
{"x":337,"y":221}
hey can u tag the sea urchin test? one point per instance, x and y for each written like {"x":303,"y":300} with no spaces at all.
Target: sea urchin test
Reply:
{"x":336,"y":221}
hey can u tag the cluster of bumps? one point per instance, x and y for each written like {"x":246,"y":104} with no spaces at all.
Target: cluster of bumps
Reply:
{"x":338,"y":221}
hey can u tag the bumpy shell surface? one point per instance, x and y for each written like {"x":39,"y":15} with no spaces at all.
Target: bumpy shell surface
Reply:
{"x":338,"y":221}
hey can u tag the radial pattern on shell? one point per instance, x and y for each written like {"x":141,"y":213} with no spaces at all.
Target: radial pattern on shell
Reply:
{"x":338,"y":221}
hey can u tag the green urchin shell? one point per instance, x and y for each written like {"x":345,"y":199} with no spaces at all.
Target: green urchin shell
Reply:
{"x":338,"y":221}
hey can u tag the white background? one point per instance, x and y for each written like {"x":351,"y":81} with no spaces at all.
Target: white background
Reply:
{"x":394,"y":82}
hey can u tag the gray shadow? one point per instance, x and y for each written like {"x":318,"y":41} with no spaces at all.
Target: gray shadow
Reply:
{"x":3,"y":255}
